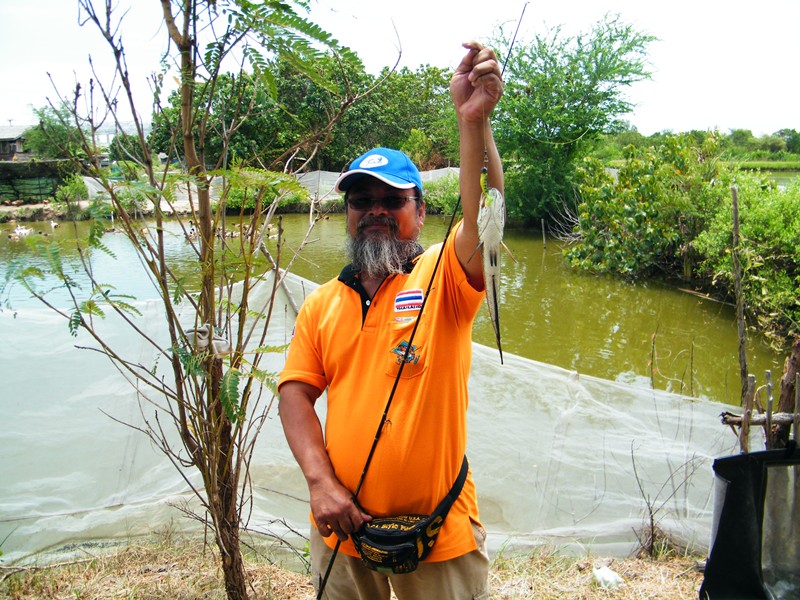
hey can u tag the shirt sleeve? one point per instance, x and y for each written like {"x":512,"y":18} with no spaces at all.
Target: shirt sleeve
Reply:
{"x":304,"y":362}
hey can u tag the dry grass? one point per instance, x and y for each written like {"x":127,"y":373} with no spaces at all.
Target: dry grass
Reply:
{"x":548,"y":575}
{"x":177,"y":568}
{"x":183,"y":569}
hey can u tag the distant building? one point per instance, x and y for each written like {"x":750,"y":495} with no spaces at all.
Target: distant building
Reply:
{"x":12,"y":142}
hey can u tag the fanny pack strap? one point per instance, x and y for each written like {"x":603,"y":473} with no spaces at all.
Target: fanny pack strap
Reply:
{"x":452,"y":495}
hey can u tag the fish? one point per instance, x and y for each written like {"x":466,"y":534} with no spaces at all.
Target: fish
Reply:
{"x":491,"y":222}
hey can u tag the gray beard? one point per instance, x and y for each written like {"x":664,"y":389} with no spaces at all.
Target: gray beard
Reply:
{"x":382,"y":255}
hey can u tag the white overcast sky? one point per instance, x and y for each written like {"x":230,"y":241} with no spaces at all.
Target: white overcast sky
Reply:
{"x":717,"y":64}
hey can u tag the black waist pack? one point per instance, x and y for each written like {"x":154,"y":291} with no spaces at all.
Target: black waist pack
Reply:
{"x":397,"y":544}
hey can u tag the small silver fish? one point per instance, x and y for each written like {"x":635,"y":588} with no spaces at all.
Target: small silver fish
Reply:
{"x":491,"y":222}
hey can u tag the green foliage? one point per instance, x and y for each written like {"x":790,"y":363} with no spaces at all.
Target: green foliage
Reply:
{"x":75,"y":321}
{"x":418,"y":146}
{"x":668,"y":211}
{"x":70,"y":193}
{"x":561,"y":94}
{"x":229,"y":394}
{"x":56,"y":136}
{"x":441,"y":195}
{"x":125,"y":147}
{"x":648,"y":215}
{"x":192,"y":364}
{"x":248,"y":189}
{"x":407,"y":101}
{"x":769,"y":253}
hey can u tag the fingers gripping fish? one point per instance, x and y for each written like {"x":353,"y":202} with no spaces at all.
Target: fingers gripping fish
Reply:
{"x":491,"y":222}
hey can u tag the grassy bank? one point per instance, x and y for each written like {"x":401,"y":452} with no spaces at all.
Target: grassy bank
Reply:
{"x":184,"y":569}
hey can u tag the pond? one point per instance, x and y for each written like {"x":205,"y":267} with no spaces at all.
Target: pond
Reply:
{"x":637,"y":333}
{"x":568,"y":442}
{"x":645,"y":334}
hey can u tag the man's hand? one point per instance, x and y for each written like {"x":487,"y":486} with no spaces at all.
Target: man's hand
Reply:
{"x":476,"y":85}
{"x":334,"y":510}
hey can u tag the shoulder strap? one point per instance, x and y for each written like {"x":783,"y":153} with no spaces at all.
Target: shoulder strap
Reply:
{"x":447,"y":502}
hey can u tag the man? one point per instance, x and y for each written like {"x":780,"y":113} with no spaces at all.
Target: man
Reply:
{"x":350,"y":338}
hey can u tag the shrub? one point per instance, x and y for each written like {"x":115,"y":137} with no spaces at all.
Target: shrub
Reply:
{"x":769,"y":251}
{"x":441,"y":195}
{"x":647,"y":216}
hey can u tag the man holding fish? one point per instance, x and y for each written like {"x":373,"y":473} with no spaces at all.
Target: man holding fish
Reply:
{"x":397,"y":324}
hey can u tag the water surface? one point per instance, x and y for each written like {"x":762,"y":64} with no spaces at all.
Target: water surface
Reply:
{"x":646,"y":333}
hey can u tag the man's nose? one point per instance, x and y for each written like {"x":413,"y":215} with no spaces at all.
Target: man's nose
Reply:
{"x":378,"y":208}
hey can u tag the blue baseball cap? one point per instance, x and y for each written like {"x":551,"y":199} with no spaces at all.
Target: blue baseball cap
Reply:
{"x":390,"y":166}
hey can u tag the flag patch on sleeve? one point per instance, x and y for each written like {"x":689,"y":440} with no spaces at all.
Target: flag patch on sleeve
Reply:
{"x":408,"y":300}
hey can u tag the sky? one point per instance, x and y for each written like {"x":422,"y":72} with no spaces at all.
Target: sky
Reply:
{"x":716,"y":65}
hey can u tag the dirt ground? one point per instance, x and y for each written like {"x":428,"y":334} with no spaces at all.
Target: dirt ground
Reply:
{"x":185,"y":569}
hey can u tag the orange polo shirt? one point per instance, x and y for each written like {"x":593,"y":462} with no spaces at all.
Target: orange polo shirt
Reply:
{"x":424,"y":439}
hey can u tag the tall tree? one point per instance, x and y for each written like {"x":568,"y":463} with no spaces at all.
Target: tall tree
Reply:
{"x":56,"y":135}
{"x":214,"y":384}
{"x":562,"y":92}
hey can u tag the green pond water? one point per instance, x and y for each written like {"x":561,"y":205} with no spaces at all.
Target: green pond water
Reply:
{"x":643,"y":333}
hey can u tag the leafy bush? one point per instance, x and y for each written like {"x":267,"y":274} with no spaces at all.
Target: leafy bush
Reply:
{"x":441,"y":195}
{"x":646,"y":216}
{"x":769,"y":251}
{"x":70,"y":193}
{"x":246,"y":188}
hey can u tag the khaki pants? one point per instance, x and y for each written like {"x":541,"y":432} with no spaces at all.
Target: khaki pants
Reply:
{"x":463,"y":578}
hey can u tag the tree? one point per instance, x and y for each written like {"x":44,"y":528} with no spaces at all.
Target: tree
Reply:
{"x":561,"y":94}
{"x":56,"y":136}
{"x":741,"y":140}
{"x":213,"y":382}
{"x":125,"y":147}
{"x":792,"y":139}
{"x":407,"y":101}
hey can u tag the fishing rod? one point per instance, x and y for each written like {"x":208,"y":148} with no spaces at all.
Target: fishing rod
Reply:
{"x":513,"y":39}
{"x":406,"y":354}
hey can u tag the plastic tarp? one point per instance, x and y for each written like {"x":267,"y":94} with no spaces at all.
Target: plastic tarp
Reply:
{"x":559,"y":458}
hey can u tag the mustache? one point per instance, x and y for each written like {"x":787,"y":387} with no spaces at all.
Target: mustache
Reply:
{"x":385,"y":220}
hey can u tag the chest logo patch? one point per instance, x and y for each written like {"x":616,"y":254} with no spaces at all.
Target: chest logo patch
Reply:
{"x":408,"y":300}
{"x":401,"y":349}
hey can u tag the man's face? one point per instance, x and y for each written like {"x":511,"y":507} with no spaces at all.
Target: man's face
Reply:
{"x":383,"y":223}
{"x":378,"y":219}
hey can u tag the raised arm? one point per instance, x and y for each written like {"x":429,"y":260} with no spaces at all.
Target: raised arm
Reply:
{"x":476,"y":88}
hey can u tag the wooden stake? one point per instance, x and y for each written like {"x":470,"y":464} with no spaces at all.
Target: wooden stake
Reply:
{"x":769,"y":442}
{"x":796,"y":405}
{"x":744,"y":433}
{"x":544,"y":237}
{"x":737,"y":284}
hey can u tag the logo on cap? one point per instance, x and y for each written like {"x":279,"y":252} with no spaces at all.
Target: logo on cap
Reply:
{"x":373,"y":161}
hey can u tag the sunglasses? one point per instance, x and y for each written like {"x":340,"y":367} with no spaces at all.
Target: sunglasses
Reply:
{"x":364,"y":203}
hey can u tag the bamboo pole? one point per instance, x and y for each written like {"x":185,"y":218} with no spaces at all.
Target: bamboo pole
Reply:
{"x":770,"y":444}
{"x":796,"y":405}
{"x":744,"y":434}
{"x":737,"y":281}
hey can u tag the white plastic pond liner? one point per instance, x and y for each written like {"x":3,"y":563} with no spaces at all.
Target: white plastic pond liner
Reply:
{"x":552,"y":452}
